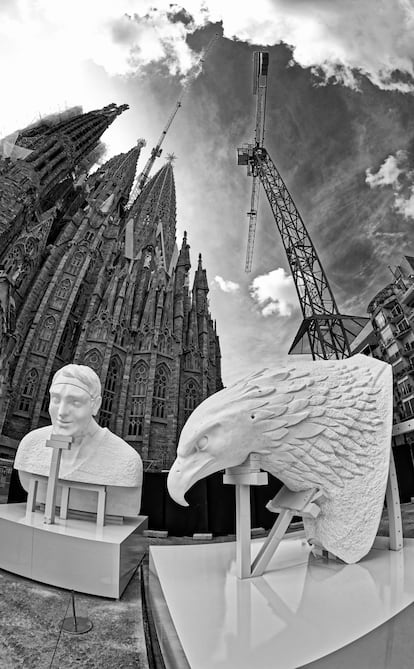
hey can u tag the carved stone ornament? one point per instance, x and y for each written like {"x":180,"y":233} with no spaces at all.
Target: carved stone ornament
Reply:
{"x":324,"y":424}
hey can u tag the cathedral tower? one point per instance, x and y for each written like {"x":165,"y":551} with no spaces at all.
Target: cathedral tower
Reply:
{"x":109,"y":289}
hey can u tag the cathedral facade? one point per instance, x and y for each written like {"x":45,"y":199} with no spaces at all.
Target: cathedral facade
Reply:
{"x":86,"y":279}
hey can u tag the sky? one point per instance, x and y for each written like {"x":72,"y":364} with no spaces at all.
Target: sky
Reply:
{"x":339,"y":127}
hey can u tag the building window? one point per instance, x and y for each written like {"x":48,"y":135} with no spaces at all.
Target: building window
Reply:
{"x":62,"y":292}
{"x":99,"y":330}
{"x":161,"y":343}
{"x":46,"y":334}
{"x":164,"y":342}
{"x":93,"y":359}
{"x":76,"y":262}
{"x":120,"y":336}
{"x":14,"y":261}
{"x":31,"y":247}
{"x":109,"y":394}
{"x":65,"y":340}
{"x":409,"y":408}
{"x":396,"y":310}
{"x":190,"y":398}
{"x":29,"y":390}
{"x":405,"y":388}
{"x":380,"y":319}
{"x":160,"y":392}
{"x":402,"y":326}
{"x":139,"y":392}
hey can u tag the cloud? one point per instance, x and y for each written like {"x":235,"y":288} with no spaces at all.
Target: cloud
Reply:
{"x":396,"y":172}
{"x":387,"y":174}
{"x":405,"y":205}
{"x":225,"y":285}
{"x":275,"y":293}
{"x":336,"y":39}
{"x":123,"y":37}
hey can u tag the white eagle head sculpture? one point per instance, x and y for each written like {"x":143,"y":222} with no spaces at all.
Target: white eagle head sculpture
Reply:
{"x":324,"y":424}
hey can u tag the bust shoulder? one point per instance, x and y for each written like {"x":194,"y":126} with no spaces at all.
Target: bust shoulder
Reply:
{"x":117,"y":460}
{"x":31,"y":449}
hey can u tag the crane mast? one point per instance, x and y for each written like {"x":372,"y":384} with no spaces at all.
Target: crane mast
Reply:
{"x":157,"y":151}
{"x":324,"y":332}
{"x":260,"y":66}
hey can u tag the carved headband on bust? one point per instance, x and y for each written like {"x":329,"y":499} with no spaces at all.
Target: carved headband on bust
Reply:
{"x":80,"y":376}
{"x":72,"y":382}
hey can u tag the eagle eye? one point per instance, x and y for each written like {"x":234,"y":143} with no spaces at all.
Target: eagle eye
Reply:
{"x":202,"y":443}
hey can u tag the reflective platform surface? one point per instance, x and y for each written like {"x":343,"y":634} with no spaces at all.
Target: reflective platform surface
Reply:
{"x":73,"y":554}
{"x":301,"y":610}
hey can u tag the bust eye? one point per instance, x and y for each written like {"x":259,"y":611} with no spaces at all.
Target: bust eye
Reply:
{"x":202,"y":443}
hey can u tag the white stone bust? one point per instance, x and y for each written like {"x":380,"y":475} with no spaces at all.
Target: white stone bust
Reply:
{"x":96,"y":455}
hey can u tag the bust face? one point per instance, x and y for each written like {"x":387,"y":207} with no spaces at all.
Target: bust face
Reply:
{"x":71,"y":409}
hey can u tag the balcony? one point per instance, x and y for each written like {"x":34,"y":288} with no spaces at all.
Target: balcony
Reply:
{"x":408,"y":297}
{"x":395,"y":357}
{"x":402,"y":329}
{"x":395,"y":316}
{"x":408,"y":349}
{"x":400,"y":374}
{"x":387,"y":342}
{"x":407,"y":415}
{"x":406,"y":392}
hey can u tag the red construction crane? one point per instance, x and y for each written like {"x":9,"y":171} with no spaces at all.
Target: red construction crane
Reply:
{"x":324,"y":332}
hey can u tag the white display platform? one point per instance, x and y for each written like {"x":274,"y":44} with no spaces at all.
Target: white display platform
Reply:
{"x":299,"y":611}
{"x":73,"y":554}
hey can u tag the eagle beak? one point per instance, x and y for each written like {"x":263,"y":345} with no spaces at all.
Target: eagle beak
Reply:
{"x":176,"y":485}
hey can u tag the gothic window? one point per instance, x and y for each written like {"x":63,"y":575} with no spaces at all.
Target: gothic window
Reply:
{"x":77,"y":300}
{"x":22,"y":274}
{"x":139,"y":392}
{"x":120,"y":336}
{"x":99,"y":330}
{"x":62,"y":292}
{"x":192,"y":360}
{"x":15,"y":258}
{"x":191,"y":396}
{"x":107,"y":408}
{"x":161,"y":343}
{"x":145,"y":339}
{"x":46,"y":397}
{"x":65,"y":339}
{"x":76,"y":261}
{"x":159,"y":399}
{"x":46,"y":334}
{"x":31,"y":247}
{"x":164,"y":342}
{"x":93,"y":359}
{"x":140,"y":341}
{"x":29,"y":390}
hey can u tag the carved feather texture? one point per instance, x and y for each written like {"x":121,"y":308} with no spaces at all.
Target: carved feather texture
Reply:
{"x":324,"y":424}
{"x":319,"y":425}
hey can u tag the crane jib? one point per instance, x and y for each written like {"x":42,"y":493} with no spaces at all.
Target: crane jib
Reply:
{"x":328,"y":332}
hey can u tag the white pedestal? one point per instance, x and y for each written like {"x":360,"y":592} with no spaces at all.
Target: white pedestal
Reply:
{"x":73,"y":554}
{"x":301,"y":610}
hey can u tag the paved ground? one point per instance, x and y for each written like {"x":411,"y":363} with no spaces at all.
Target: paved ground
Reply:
{"x":31,"y":617}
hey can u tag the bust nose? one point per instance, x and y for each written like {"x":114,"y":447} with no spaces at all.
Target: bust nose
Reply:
{"x":63,"y":409}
